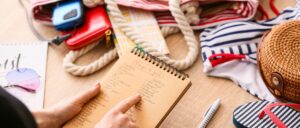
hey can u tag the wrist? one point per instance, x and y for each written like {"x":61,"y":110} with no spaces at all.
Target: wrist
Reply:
{"x":41,"y":118}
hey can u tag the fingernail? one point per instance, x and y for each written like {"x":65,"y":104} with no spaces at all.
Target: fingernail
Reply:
{"x":97,"y":85}
{"x":138,"y":95}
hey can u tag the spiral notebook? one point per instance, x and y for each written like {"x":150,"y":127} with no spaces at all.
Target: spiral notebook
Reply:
{"x":160,"y":86}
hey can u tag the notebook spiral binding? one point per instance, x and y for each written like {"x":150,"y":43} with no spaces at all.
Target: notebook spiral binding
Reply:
{"x":159,"y":63}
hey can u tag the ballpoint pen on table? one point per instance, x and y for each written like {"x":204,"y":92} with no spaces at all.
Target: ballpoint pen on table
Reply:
{"x":209,"y":113}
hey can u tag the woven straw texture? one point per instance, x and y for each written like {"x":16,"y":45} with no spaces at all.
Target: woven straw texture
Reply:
{"x":278,"y":60}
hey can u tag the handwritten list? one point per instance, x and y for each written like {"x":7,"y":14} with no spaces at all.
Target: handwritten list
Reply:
{"x":159,"y":89}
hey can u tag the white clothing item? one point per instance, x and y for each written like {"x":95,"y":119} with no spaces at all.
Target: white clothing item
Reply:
{"x":246,"y":75}
{"x":229,"y":51}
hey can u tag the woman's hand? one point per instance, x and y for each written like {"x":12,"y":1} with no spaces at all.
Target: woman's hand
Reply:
{"x":117,"y":118}
{"x":56,"y":116}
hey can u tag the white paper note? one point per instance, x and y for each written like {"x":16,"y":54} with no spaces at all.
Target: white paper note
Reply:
{"x":14,"y":56}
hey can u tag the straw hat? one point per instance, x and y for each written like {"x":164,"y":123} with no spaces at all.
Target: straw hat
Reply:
{"x":279,"y":60}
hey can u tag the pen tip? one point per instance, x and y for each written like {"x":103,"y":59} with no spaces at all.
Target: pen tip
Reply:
{"x":218,"y":100}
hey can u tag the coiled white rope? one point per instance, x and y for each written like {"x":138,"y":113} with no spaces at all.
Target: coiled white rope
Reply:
{"x":77,"y":70}
{"x":169,"y":30}
{"x":192,"y":11}
{"x":92,"y":3}
{"x":183,"y":25}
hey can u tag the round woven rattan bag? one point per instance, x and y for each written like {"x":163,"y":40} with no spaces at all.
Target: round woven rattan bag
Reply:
{"x":279,"y":60}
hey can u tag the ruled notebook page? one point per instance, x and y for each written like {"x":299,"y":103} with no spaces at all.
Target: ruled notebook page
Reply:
{"x":160,"y":91}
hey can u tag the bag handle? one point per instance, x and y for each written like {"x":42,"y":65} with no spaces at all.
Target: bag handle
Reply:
{"x":114,"y":10}
{"x":183,"y":25}
{"x":77,"y":70}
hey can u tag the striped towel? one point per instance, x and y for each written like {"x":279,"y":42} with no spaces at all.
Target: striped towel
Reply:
{"x":245,"y":10}
{"x":247,"y":116}
{"x":160,"y":5}
{"x":229,"y":50}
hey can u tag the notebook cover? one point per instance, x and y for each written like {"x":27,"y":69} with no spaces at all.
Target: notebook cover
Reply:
{"x":160,"y":86}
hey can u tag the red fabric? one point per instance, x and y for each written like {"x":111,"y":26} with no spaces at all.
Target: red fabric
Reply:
{"x":273,"y":117}
{"x":217,"y":59}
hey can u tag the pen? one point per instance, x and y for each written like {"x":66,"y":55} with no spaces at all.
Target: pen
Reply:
{"x":209,"y":113}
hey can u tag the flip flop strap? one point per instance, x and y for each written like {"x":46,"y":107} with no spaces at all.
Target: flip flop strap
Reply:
{"x":264,"y":13}
{"x":273,"y":117}
{"x":273,"y":7}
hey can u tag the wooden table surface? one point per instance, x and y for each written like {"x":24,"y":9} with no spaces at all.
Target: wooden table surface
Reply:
{"x":188,"y":112}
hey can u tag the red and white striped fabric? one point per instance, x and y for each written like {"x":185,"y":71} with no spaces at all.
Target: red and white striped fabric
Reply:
{"x":151,"y":5}
{"x":41,"y":10}
{"x":245,"y":11}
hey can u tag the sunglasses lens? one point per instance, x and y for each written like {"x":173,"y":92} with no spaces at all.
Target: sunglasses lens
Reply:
{"x":25,"y":78}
